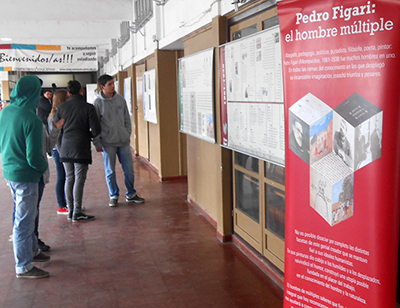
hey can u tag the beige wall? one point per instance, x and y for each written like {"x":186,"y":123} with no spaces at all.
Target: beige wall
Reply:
{"x":165,"y":143}
{"x":209,"y":165}
{"x":204,"y":175}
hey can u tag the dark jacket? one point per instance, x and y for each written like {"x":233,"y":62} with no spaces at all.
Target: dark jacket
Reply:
{"x":44,"y":109}
{"x":80,"y":127}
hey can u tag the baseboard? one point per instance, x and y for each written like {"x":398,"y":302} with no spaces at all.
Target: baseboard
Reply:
{"x":151,"y":167}
{"x":224,"y":238}
{"x":202,"y":212}
{"x":148,"y":164}
{"x":179,"y":178}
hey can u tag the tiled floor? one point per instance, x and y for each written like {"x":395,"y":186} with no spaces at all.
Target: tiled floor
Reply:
{"x":159,"y":254}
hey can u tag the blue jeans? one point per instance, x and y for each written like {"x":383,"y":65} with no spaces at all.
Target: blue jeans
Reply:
{"x":125,"y":158}
{"x":25,"y":197}
{"x":60,"y":185}
{"x":40,"y":194}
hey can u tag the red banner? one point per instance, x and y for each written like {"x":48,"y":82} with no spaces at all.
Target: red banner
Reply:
{"x":342,"y":156}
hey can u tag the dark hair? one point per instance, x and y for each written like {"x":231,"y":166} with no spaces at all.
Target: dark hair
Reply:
{"x":73,"y":87}
{"x":103,"y":79}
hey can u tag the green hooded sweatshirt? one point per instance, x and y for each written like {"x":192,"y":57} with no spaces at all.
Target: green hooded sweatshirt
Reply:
{"x":21,"y":133}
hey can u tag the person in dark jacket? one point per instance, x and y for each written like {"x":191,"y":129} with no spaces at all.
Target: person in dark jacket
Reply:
{"x":45,"y":104}
{"x":80,"y":127}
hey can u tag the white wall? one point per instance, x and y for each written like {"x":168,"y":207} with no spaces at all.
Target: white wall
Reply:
{"x":170,"y":23}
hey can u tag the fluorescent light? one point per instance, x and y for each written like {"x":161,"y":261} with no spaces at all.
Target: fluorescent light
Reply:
{"x":5,"y":39}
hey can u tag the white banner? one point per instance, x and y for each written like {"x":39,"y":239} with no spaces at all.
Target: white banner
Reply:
{"x":56,"y":58}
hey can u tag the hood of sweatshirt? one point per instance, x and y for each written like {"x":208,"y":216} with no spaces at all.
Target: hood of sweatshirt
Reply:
{"x":26,"y":93}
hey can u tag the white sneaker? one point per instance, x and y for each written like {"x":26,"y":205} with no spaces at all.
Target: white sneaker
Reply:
{"x":113,"y":202}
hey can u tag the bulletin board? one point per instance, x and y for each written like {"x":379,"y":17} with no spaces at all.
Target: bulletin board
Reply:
{"x":196,"y":95}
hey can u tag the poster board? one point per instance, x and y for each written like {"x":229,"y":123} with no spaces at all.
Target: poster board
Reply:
{"x":91,"y":92}
{"x":149,"y":96}
{"x":196,"y":99}
{"x":252,"y":110}
{"x":128,"y":93}
{"x":341,"y":64}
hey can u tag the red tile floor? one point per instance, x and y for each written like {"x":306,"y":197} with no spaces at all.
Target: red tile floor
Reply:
{"x":162,"y":253}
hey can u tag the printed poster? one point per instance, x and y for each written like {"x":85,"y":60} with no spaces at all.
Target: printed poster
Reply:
{"x":91,"y":92}
{"x":252,"y":110}
{"x":196,"y":95}
{"x":340,"y":68}
{"x":149,"y":96}
{"x":128,"y":93}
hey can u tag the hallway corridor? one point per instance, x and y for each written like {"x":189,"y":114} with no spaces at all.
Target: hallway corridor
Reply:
{"x":162,"y":253}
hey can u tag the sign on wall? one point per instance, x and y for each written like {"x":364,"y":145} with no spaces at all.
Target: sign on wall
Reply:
{"x":53,"y":58}
{"x":128,"y":93}
{"x":341,"y":71}
{"x":91,"y":92}
{"x":252,"y":111}
{"x":149,"y":96}
{"x":196,"y":101}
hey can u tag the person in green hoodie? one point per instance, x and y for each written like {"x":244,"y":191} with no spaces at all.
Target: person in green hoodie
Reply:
{"x":23,"y":166}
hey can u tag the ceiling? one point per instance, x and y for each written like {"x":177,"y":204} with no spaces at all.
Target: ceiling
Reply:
{"x":64,"y":22}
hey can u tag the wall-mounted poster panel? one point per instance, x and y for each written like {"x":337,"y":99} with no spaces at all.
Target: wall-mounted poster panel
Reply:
{"x":196,"y":102}
{"x":91,"y":92}
{"x":54,"y":58}
{"x":341,"y":72}
{"x":128,"y":93}
{"x":252,"y":111}
{"x":149,"y":96}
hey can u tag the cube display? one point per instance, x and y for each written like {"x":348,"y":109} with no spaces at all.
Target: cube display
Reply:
{"x":335,"y":143}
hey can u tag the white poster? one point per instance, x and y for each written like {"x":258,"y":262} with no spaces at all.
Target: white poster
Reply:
{"x":252,"y":110}
{"x":196,"y":101}
{"x":53,"y":58}
{"x":91,"y":92}
{"x":149,"y":96}
{"x":116,"y":86}
{"x":128,"y":93}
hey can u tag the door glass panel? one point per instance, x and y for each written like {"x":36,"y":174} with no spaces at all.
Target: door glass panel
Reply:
{"x":247,"y":195}
{"x":246,"y":161}
{"x":275,"y":173}
{"x":275,"y":213}
{"x":271,"y":22}
{"x":244,"y":32}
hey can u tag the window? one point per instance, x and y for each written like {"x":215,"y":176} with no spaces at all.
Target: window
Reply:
{"x":143,"y":12}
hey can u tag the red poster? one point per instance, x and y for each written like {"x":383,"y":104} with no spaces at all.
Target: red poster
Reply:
{"x":341,"y":81}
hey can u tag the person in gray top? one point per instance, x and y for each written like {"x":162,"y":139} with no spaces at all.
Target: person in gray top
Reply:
{"x":114,"y":140}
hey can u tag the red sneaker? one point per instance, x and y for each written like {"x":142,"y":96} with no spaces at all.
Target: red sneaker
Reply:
{"x":62,"y":211}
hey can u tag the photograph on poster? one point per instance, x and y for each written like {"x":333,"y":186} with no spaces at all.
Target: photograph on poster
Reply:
{"x":313,"y":117}
{"x":343,"y":206}
{"x":326,"y":178}
{"x":341,"y":144}
{"x":321,"y":137}
{"x":357,"y":131}
{"x":299,"y":137}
